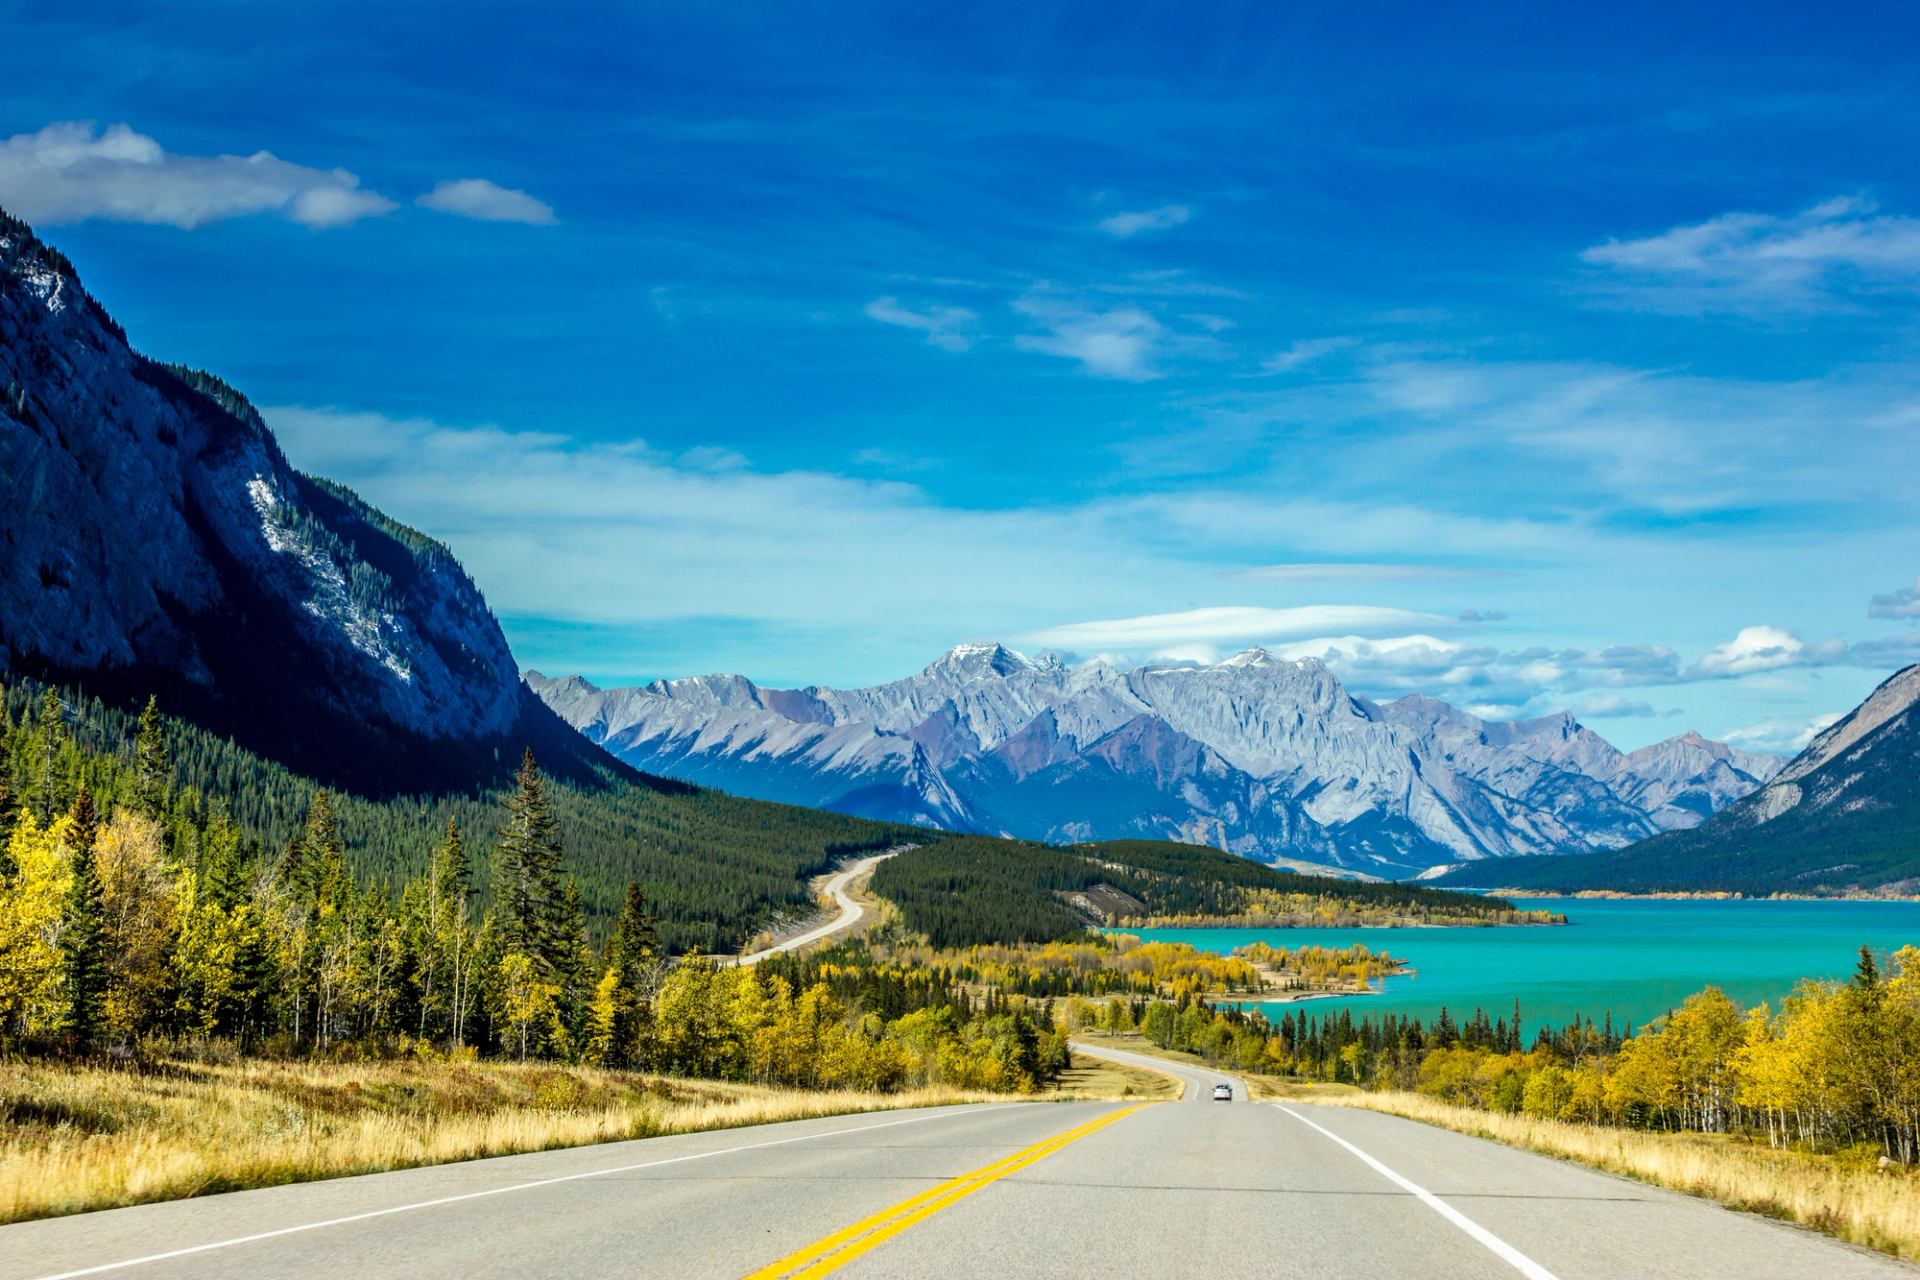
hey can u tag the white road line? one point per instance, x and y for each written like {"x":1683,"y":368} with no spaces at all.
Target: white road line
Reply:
{"x":499,"y":1191}
{"x":1507,"y":1253}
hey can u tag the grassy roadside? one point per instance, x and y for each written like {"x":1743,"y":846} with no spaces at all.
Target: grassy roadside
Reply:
{"x":1852,"y":1199}
{"x":74,"y":1139}
{"x":1092,"y":1077}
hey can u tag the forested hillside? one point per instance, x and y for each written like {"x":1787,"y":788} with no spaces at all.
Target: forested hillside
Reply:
{"x":966,"y":890}
{"x":716,"y":867}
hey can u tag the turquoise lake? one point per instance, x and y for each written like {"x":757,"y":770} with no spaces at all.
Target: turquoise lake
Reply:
{"x":1633,"y":958}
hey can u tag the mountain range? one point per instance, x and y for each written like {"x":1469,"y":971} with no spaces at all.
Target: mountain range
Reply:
{"x":1841,"y":817}
{"x":1266,"y":757}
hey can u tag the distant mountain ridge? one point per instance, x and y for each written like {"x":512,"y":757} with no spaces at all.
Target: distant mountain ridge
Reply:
{"x":1263,"y":756}
{"x":1841,"y":817}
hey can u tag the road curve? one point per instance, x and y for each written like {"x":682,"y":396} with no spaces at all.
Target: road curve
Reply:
{"x":850,"y":911}
{"x":1159,"y":1190}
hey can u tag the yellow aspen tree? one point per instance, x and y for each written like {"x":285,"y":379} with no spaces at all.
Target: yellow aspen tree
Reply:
{"x":31,"y":905}
{"x":140,"y":920}
{"x":603,"y":1014}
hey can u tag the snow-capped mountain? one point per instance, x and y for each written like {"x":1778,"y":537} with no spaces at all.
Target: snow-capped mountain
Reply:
{"x":1268,"y":757}
{"x":156,"y":539}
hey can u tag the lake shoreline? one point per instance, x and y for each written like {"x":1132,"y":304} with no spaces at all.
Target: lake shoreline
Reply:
{"x":1696,"y":895}
{"x":1633,"y":958}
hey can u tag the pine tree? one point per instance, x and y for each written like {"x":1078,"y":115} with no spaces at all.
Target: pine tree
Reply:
{"x":6,"y":774}
{"x":82,"y":934}
{"x":50,"y":731}
{"x":526,"y":881}
{"x":1866,"y":974}
{"x":451,"y":875}
{"x":633,"y":965}
{"x":152,"y":768}
{"x":323,"y":856}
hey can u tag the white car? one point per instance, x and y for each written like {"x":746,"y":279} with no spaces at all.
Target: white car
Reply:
{"x":1223,"y":1093}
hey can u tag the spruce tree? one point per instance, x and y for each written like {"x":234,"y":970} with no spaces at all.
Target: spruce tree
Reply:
{"x":323,"y":856}
{"x":526,"y":888}
{"x":8,"y":802}
{"x":633,"y":957}
{"x":152,"y":768}
{"x":83,"y":941}
{"x":450,"y":873}
{"x":50,"y":731}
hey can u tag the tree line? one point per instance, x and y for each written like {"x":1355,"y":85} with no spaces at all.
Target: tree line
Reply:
{"x":716,"y":867}
{"x":134,"y":917}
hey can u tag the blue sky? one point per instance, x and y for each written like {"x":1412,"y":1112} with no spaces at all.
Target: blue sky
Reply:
{"x":1529,"y":359}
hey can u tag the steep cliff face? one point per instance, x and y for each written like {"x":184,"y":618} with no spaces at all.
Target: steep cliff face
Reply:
{"x":155,"y":537}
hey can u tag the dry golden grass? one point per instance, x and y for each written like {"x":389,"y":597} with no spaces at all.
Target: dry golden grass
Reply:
{"x":1849,"y":1198}
{"x":80,"y":1138}
{"x":1098,"y":1078}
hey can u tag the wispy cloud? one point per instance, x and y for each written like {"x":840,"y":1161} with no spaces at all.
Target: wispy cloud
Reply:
{"x":1126,"y":225}
{"x":1747,"y":259}
{"x":1784,"y":734}
{"x":68,"y":172}
{"x":1158,"y":634}
{"x":948,"y":328}
{"x":478,"y":198}
{"x":1903,"y":602}
{"x":1307,"y":351}
{"x":1123,"y":342}
{"x":1662,"y":439}
{"x":1353,"y":572}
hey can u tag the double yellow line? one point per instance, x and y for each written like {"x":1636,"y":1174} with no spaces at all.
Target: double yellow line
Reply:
{"x":848,"y":1243}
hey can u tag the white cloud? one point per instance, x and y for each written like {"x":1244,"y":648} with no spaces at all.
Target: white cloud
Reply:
{"x":1903,"y":602}
{"x":1762,"y":648}
{"x":1126,"y":225}
{"x":1121,"y":343}
{"x":1787,"y":735}
{"x":946,"y":327}
{"x":1307,"y":351}
{"x":1197,"y":631}
{"x":69,"y":173}
{"x":478,"y":198}
{"x":1757,"y":258}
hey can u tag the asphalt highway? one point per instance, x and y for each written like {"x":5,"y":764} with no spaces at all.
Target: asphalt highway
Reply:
{"x":1160,"y":1190}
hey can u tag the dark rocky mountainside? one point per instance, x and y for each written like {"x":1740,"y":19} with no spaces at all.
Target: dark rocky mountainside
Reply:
{"x":154,"y":539}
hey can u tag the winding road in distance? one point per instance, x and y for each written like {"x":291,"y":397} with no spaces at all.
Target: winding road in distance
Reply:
{"x":1161,"y":1191}
{"x":850,"y":910}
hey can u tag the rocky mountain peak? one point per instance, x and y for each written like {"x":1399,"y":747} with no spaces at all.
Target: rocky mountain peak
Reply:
{"x":160,"y":541}
{"x":973,"y":659}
